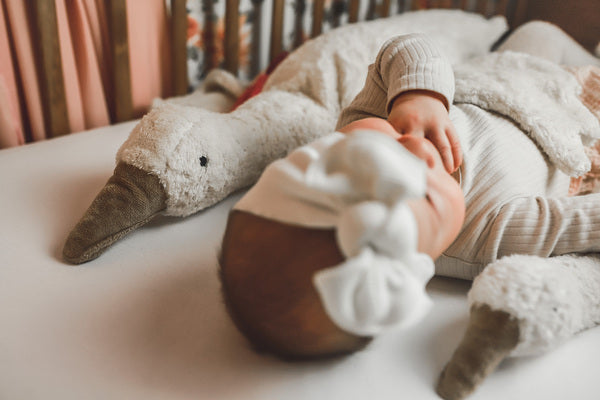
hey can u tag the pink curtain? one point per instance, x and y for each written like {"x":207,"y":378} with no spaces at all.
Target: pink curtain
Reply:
{"x":85,"y":56}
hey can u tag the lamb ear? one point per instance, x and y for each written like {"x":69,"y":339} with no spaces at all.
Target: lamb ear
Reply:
{"x":130,"y":198}
{"x":491,"y":335}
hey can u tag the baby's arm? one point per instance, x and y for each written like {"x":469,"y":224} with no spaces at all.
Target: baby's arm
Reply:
{"x":545,"y":227}
{"x":412,"y":85}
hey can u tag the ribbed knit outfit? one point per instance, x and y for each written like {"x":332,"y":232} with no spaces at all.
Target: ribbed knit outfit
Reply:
{"x":516,"y":198}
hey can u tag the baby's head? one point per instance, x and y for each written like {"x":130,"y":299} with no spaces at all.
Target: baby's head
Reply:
{"x":335,"y":244}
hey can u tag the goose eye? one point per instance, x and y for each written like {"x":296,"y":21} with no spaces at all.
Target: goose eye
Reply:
{"x":203,"y":161}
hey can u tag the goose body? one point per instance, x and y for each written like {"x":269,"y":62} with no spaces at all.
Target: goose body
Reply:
{"x":187,"y":158}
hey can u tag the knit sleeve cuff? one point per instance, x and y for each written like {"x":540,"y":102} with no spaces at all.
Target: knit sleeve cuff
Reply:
{"x":414,"y":62}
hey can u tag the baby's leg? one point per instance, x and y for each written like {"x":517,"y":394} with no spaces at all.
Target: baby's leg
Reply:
{"x":522,"y":305}
{"x":545,"y":40}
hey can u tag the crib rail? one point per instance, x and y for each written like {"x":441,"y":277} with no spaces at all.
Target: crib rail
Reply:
{"x":51,"y":76}
{"x":322,"y":15}
{"x":52,"y":89}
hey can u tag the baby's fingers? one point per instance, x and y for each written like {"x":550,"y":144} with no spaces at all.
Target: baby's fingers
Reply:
{"x":441,"y":142}
{"x":455,"y":146}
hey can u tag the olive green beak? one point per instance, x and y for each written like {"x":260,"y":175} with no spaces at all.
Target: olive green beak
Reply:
{"x":491,"y":335}
{"x":130,"y":198}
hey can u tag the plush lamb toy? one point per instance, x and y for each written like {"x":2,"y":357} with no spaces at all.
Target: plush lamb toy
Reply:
{"x":180,"y":159}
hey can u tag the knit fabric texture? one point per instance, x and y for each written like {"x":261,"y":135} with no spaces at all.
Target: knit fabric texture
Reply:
{"x":514,"y":193}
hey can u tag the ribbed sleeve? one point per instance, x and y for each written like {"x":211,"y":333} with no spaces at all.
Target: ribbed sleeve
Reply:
{"x":404,"y":63}
{"x":516,"y":199}
{"x":547,"y":226}
{"x":411,"y":62}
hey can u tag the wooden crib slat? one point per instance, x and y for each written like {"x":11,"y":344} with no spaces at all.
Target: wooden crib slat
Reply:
{"x":318,"y":12}
{"x":353,"y":7}
{"x":299,"y":11}
{"x":276,"y":29}
{"x":338,"y":7}
{"x":501,"y":7}
{"x":232,"y":36}
{"x":208,"y":36}
{"x":385,"y":9}
{"x":464,"y":4}
{"x":119,"y":47}
{"x":371,"y":10}
{"x":178,"y":45}
{"x":256,"y":37}
{"x":401,"y":6}
{"x":50,"y":73}
{"x":481,"y":7}
{"x":445,"y":4}
{"x":520,"y":13}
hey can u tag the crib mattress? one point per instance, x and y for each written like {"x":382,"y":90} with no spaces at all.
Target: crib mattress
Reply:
{"x":146,"y":321}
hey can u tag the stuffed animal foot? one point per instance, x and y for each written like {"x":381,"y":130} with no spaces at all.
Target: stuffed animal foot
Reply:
{"x":522,"y":305}
{"x":130,"y":198}
{"x":490,"y":337}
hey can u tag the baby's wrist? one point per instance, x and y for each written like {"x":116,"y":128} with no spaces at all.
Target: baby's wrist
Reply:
{"x":417,"y":93}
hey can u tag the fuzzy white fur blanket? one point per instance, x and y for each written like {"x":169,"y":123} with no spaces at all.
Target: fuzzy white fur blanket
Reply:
{"x":534,"y":93}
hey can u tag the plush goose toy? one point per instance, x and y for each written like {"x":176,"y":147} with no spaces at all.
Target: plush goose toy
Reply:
{"x":180,"y":159}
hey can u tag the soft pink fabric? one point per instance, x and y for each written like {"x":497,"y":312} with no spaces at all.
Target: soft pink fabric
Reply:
{"x":24,"y":60}
{"x":69,"y":67}
{"x":96,"y":14}
{"x":93,"y":102}
{"x":85,"y":56}
{"x":10,"y":132}
{"x":148,"y":52}
{"x":11,"y":129}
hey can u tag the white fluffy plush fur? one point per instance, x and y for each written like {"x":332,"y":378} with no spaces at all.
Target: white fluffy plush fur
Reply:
{"x":171,"y":141}
{"x":525,"y":89}
{"x":552,"y":298}
{"x":218,"y":92}
{"x":301,"y":101}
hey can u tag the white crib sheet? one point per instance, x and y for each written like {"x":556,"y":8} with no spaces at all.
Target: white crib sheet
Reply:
{"x":145,"y":320}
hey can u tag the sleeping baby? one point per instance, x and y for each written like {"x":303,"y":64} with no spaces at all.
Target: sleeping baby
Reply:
{"x":433,"y":169}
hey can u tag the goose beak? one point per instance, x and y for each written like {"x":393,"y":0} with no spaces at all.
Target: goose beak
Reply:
{"x":491,"y":335}
{"x":130,"y":198}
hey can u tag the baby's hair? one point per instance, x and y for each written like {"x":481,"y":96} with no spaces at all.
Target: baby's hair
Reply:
{"x":266,"y":269}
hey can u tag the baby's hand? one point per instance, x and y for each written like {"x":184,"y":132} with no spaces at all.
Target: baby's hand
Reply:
{"x":423,"y":113}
